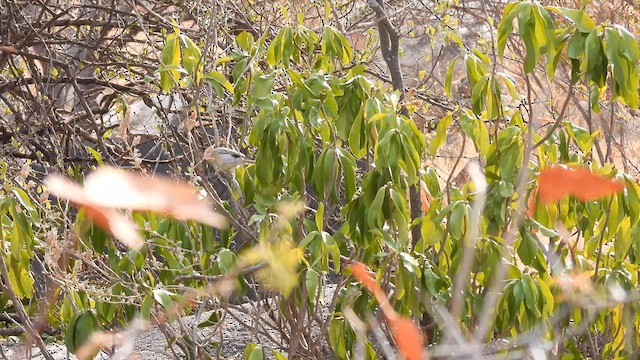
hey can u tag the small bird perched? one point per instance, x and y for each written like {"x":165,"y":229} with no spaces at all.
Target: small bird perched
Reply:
{"x":225,"y":159}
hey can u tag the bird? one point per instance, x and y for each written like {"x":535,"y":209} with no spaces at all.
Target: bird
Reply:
{"x":225,"y":159}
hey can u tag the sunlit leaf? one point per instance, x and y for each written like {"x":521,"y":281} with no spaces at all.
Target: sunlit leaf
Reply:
{"x":582,"y":21}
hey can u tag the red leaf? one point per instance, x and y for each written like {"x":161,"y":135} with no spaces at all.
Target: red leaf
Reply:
{"x":558,"y":181}
{"x":408,"y":337}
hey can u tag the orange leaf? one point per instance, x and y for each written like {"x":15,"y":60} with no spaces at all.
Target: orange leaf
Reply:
{"x":366,"y":277}
{"x":108,"y":189}
{"x":558,"y":181}
{"x":425,"y":197}
{"x":531,"y":202}
{"x":116,"y":188}
{"x":109,"y":220}
{"x":408,"y":337}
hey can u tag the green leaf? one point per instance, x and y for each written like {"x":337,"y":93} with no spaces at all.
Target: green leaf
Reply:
{"x":274,"y":51}
{"x":320,"y":216}
{"x":82,"y":329}
{"x":226,"y":260}
{"x":348,"y":164}
{"x":215,"y":77}
{"x":623,"y":239}
{"x":595,"y":58}
{"x":509,"y":159}
{"x":527,"y":24}
{"x":530,"y":294}
{"x":145,"y":307}
{"x":22,"y":234}
{"x":278,"y":355}
{"x":312,"y":281}
{"x":330,"y":171}
{"x":449,"y":76}
{"x":245,"y":41}
{"x":337,"y":337}
{"x":288,"y":47}
{"x":475,"y":69}
{"x":548,"y":301}
{"x":630,"y":45}
{"x":164,"y":298}
{"x":20,"y":279}
{"x":410,"y":159}
{"x":527,"y":248}
{"x":96,"y":155}
{"x":374,"y":214}
{"x":575,"y":49}
{"x":441,"y":134}
{"x":505,"y":27}
{"x":582,"y":136}
{"x":335,"y":45}
{"x":458,"y":220}
{"x":262,"y":86}
{"x":479,"y":94}
{"x":510,"y":83}
{"x":169,"y":69}
{"x":545,"y":30}
{"x":357,"y":142}
{"x":256,"y":354}
{"x":399,"y":202}
{"x":212,"y":320}
{"x":477,"y":130}
{"x":543,"y":229}
{"x":192,"y":60}
{"x":579,"y":18}
{"x":70,"y":338}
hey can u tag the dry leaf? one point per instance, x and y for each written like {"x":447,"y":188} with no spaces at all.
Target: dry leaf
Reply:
{"x":558,"y":181}
{"x":124,"y":125}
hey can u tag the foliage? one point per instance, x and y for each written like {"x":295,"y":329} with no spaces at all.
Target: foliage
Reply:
{"x":523,"y":253}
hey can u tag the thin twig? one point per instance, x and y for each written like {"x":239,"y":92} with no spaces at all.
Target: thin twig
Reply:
{"x":17,"y":304}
